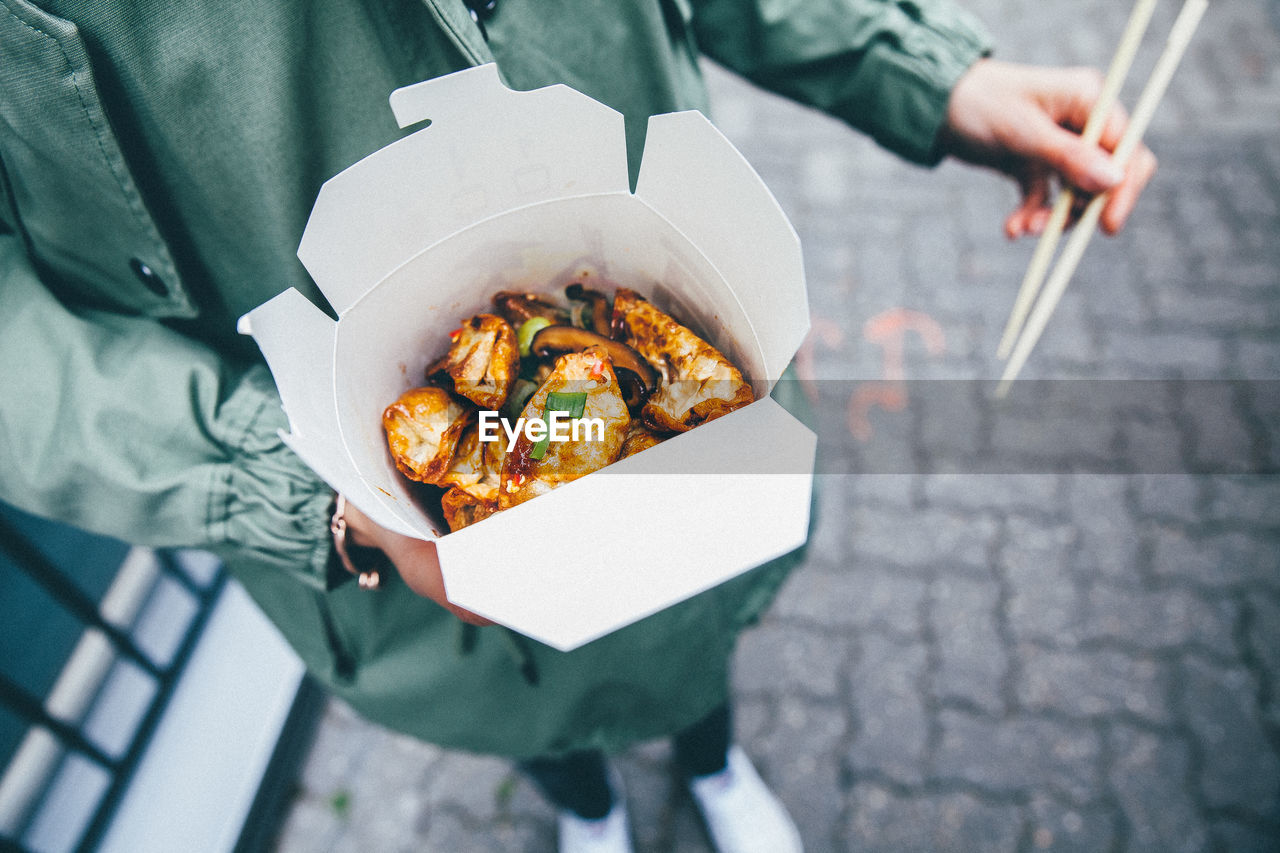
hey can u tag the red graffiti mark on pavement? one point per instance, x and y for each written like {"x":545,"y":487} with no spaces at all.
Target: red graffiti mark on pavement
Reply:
{"x":889,"y":330}
{"x":889,"y":396}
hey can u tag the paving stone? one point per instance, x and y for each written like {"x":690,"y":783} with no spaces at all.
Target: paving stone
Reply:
{"x":1072,"y":340}
{"x":1221,"y":441}
{"x":993,"y":491}
{"x":469,"y":783}
{"x":311,"y":825}
{"x":1043,"y":603}
{"x":1068,"y":444}
{"x":1148,"y":778}
{"x":952,"y":424}
{"x":388,"y":792}
{"x":802,"y":753}
{"x":1098,"y":506}
{"x":343,"y":741}
{"x":1240,"y":272}
{"x":824,"y":176}
{"x":1093,"y":684}
{"x":445,"y":831}
{"x":517,"y":798}
{"x":1264,"y":643}
{"x":1020,"y":754}
{"x":1125,"y":302}
{"x":1218,"y":560}
{"x":953,"y":538}
{"x":650,"y":792}
{"x":752,"y":717}
{"x":1221,"y":312}
{"x":1169,"y":496}
{"x":972,"y":660}
{"x":1070,"y":829}
{"x":1240,"y":768}
{"x":1240,"y":838}
{"x":1159,"y":620}
{"x":897,"y":491}
{"x":1253,"y":500}
{"x":891,"y":725}
{"x":880,"y":820}
{"x":772,"y":657}
{"x":687,"y":834}
{"x":1155,"y":445}
{"x":858,"y":597}
{"x":1157,"y":355}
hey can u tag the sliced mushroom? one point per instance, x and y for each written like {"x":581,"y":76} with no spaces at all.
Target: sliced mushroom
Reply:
{"x":601,"y":311}
{"x":515,"y":308}
{"x":634,"y":372}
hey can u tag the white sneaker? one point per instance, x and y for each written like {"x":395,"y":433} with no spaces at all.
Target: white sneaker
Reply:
{"x":608,"y":834}
{"x":741,"y":813}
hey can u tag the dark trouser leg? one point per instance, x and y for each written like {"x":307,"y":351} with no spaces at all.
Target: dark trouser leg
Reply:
{"x":701,"y":749}
{"x":577,"y":781}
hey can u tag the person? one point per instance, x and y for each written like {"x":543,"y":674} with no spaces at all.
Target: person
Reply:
{"x":158,"y":161}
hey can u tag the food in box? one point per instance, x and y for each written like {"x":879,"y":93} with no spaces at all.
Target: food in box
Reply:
{"x":520,"y":191}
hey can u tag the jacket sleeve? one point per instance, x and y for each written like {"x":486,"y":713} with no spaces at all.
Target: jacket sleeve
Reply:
{"x":884,"y":66}
{"x":121,"y":426}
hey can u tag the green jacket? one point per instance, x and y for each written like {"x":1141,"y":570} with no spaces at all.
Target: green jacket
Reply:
{"x":158,"y":161}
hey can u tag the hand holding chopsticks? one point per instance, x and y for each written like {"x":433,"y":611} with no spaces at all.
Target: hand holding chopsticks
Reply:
{"x":1038,"y":317}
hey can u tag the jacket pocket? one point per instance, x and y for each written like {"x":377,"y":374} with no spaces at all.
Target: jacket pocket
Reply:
{"x":78,"y":207}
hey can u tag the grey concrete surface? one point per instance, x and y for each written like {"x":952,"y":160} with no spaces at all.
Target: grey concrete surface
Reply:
{"x":1048,"y":623}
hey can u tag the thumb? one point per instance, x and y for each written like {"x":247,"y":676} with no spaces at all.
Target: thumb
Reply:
{"x":1086,"y":167}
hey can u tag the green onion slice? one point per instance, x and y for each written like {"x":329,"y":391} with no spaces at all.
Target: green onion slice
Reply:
{"x":529,"y":328}
{"x":574,"y":403}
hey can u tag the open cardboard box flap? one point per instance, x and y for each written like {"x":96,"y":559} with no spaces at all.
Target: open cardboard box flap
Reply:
{"x":523,"y":191}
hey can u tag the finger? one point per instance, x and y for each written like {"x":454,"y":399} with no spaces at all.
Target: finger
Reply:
{"x":1035,"y":198}
{"x":1124,"y":198}
{"x":1068,"y":94}
{"x":1086,"y":167}
{"x":1029,"y":218}
{"x":1113,"y":130}
{"x":1038,"y":220}
{"x":1015,"y":224}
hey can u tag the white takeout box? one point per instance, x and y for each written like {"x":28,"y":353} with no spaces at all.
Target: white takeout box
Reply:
{"x":519,"y":191}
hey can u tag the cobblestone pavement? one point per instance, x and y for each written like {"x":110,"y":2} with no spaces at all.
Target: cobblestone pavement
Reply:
{"x":1047,"y":624}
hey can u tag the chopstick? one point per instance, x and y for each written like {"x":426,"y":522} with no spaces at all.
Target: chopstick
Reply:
{"x":1184,"y":28}
{"x":1097,"y":121}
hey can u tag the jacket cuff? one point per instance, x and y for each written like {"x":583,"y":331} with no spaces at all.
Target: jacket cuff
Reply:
{"x":269,"y":508}
{"x":900,"y":92}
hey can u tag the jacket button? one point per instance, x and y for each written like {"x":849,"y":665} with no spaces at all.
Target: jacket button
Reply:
{"x":148,"y":277}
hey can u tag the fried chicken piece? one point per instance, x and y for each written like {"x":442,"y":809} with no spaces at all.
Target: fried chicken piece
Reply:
{"x":639,"y":437}
{"x":589,"y":372}
{"x":698,"y":383}
{"x":463,"y":508}
{"x":483,"y":360}
{"x":423,"y":428}
{"x":476,"y":465}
